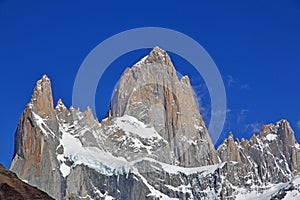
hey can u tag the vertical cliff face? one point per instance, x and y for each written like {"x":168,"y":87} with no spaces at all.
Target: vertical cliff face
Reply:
{"x":229,"y":150}
{"x":151,"y":92}
{"x":282,"y":142}
{"x":290,"y":146}
{"x":36,"y":141}
{"x":42,"y":100}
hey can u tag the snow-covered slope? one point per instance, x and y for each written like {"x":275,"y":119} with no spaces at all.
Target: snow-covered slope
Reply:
{"x":79,"y":147}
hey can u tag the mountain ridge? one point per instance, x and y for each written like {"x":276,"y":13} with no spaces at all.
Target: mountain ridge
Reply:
{"x":152,"y":92}
{"x":72,"y":155}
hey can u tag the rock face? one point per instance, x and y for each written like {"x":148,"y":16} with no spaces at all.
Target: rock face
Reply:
{"x":153,"y":145}
{"x":272,"y":156}
{"x":12,"y":188}
{"x":151,"y":92}
{"x":35,"y":143}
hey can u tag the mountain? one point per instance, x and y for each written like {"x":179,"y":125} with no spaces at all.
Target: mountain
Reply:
{"x":36,"y":142}
{"x":151,"y":92}
{"x":153,"y":145}
{"x":273,"y":155}
{"x":12,"y":188}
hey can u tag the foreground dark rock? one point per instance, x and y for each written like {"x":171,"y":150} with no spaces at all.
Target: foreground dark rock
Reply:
{"x":12,"y":188}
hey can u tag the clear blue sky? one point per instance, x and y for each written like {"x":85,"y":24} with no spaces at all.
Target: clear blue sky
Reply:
{"x":255,"y":44}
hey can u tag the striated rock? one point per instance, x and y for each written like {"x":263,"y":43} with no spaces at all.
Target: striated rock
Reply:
{"x":42,"y":100}
{"x":273,"y":155}
{"x":291,"y":148}
{"x":86,"y":182}
{"x":36,"y":140}
{"x":282,"y":144}
{"x":231,"y":150}
{"x":151,"y":92}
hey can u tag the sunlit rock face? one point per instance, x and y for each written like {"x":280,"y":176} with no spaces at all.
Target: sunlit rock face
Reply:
{"x":151,"y":92}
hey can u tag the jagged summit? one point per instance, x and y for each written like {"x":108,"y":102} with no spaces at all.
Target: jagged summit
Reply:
{"x":157,"y":49}
{"x":42,"y":100}
{"x":281,"y":129}
{"x":43,"y":85}
{"x":157,"y":55}
{"x":151,"y":92}
{"x":60,"y":106}
{"x":273,"y":154}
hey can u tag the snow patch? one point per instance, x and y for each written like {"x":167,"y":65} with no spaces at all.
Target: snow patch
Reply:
{"x":269,"y":191}
{"x":153,"y":192}
{"x":141,"y":62}
{"x":93,"y":157}
{"x":183,"y":189}
{"x":42,"y":125}
{"x":172,"y":169}
{"x":65,"y":169}
{"x":132,"y":125}
{"x":200,"y":128}
{"x":271,"y":137}
{"x":294,"y":194}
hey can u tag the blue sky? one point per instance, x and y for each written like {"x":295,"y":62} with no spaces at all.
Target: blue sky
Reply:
{"x":255,"y":45}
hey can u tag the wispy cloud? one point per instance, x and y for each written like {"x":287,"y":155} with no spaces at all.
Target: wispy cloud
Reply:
{"x":245,"y":86}
{"x":298,"y":125}
{"x":228,"y":125}
{"x":230,"y":80}
{"x":242,"y":115}
{"x":200,"y":94}
{"x":234,"y":82}
{"x":218,"y":115}
{"x":253,"y":127}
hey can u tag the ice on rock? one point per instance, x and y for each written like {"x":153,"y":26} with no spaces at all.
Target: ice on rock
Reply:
{"x":141,"y":62}
{"x":42,"y":125}
{"x":132,"y":125}
{"x":271,"y":137}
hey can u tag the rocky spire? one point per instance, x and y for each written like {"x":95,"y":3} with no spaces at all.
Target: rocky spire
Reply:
{"x":274,"y":142}
{"x":286,"y":133}
{"x":60,"y":105}
{"x":290,"y":147}
{"x":36,"y":140}
{"x":151,"y":92}
{"x":229,"y":151}
{"x":157,"y":55}
{"x":42,"y":100}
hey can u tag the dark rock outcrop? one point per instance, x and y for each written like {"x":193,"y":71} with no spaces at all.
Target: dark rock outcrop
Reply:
{"x":12,"y":188}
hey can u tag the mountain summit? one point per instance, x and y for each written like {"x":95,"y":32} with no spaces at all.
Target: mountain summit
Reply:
{"x":151,"y":92}
{"x":157,"y":55}
{"x":42,"y":99}
{"x":153,"y":145}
